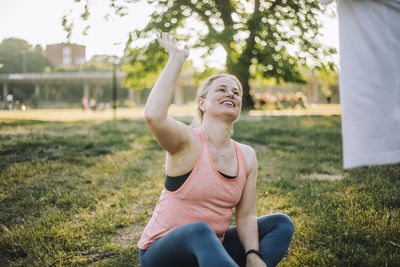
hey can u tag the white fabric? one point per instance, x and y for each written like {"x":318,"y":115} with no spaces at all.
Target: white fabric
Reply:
{"x":369,"y":81}
{"x":324,"y":2}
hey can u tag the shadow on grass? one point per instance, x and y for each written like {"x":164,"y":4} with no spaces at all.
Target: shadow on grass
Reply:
{"x":71,"y":142}
{"x":353,"y":220}
{"x":68,"y":189}
{"x":44,"y":163}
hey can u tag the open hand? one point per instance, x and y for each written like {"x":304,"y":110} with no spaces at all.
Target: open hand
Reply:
{"x":169,"y":43}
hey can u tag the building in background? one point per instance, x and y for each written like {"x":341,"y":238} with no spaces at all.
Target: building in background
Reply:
{"x":66,"y":54}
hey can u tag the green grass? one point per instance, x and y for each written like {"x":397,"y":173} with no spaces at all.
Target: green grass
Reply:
{"x":70,"y":190}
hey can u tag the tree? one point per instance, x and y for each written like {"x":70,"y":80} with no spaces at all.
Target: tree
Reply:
{"x":144,"y":65}
{"x":18,"y":55}
{"x":263,"y":38}
{"x":101,"y":62}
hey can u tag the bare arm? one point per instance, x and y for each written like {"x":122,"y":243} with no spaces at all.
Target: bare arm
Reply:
{"x":246,"y":217}
{"x":171,"y":134}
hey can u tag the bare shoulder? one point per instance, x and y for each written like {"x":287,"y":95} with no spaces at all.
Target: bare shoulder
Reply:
{"x":249,"y":155}
{"x":248,"y":151}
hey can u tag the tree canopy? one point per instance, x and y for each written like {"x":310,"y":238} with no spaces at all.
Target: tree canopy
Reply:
{"x":261,"y":38}
{"x":17,"y":55}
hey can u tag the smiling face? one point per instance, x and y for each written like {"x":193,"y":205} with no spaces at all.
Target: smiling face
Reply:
{"x":223,"y":98}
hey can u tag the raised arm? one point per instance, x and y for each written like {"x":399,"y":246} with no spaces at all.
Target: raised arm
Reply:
{"x":171,"y":134}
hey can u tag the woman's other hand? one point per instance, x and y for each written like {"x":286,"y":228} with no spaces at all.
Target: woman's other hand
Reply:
{"x":170,"y":44}
{"x":254,"y":260}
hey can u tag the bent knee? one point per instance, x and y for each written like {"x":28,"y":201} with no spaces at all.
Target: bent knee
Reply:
{"x":285,"y":223}
{"x":279,"y":221}
{"x":201,"y":228}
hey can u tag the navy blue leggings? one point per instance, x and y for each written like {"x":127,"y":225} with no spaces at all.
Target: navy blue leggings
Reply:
{"x":196,"y":244}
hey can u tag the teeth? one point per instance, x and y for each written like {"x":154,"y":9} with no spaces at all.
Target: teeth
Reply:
{"x":228,"y":102}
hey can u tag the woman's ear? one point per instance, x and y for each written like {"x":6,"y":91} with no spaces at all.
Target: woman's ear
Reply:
{"x":201,"y":104}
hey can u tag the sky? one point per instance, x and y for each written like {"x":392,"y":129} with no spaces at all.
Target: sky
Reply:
{"x":39,"y":22}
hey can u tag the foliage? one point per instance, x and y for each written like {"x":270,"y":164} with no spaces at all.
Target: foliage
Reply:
{"x":14,"y":53}
{"x":329,"y":81}
{"x":140,"y":73}
{"x":200,"y":76}
{"x":267,"y":37}
{"x":102,"y":62}
{"x":69,"y":189}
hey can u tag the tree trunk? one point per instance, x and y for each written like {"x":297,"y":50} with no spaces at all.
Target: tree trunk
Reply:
{"x":247,"y":100}
{"x":243,"y":74}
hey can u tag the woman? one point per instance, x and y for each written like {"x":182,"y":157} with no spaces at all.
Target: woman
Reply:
{"x":208,"y":174}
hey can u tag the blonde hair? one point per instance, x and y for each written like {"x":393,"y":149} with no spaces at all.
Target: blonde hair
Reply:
{"x":203,"y":90}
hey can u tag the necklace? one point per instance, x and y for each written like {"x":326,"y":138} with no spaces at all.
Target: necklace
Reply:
{"x":222,"y":154}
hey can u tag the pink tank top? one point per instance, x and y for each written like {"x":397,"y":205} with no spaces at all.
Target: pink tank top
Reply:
{"x":205,"y":196}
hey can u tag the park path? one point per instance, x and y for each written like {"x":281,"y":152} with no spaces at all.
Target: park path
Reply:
{"x":184,"y":112}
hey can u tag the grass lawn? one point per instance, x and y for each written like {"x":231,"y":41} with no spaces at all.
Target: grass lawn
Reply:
{"x":80,"y":193}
